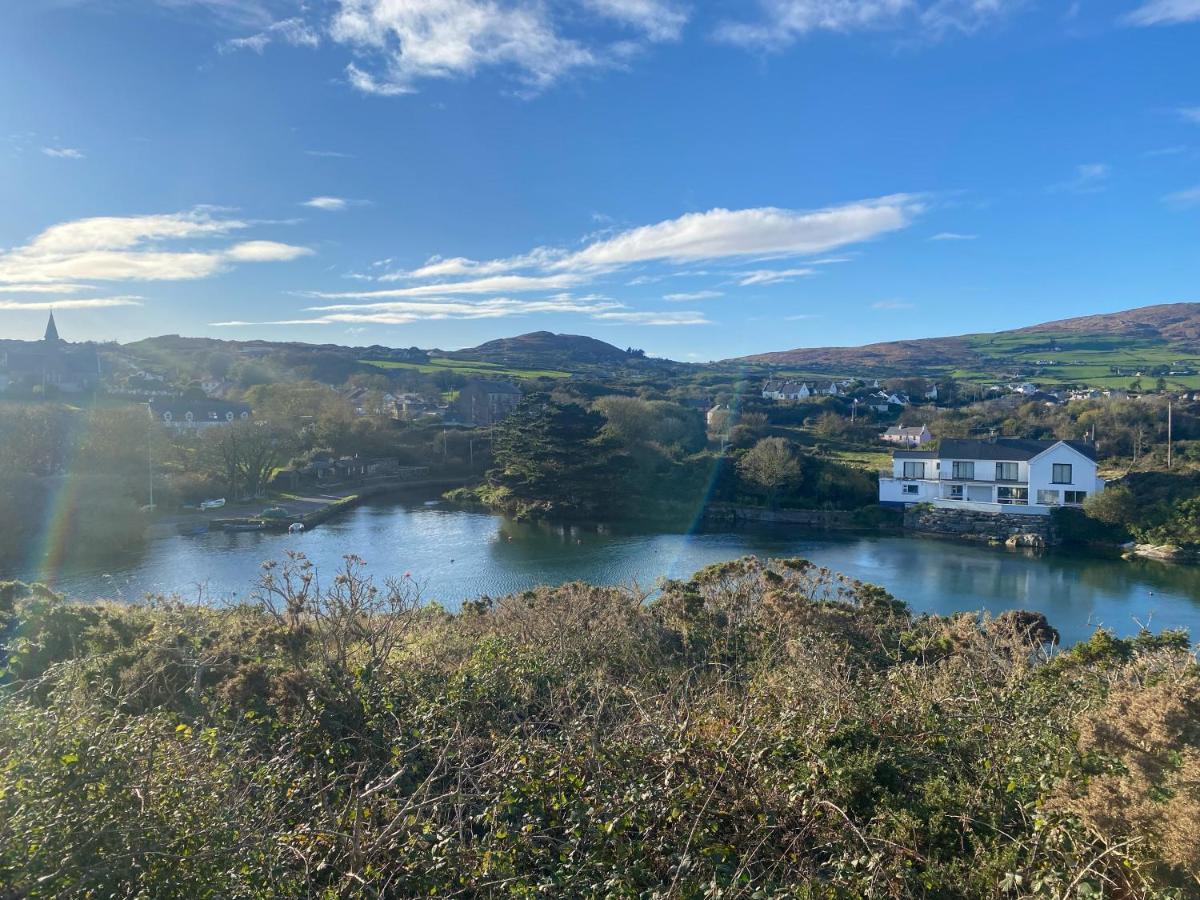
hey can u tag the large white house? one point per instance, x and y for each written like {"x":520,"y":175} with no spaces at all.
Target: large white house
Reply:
{"x":1009,"y":475}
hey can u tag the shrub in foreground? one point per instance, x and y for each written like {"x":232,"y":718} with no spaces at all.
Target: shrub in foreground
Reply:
{"x":763,"y":729}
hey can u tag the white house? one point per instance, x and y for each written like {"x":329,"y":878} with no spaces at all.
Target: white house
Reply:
{"x":1010,"y":475}
{"x":786,"y":390}
{"x":907,"y":435}
{"x":197,"y":415}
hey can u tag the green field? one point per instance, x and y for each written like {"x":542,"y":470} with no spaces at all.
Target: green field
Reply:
{"x":1077,"y":359}
{"x":465,"y":367}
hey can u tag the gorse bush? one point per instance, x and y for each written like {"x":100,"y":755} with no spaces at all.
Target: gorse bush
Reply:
{"x":763,"y":729}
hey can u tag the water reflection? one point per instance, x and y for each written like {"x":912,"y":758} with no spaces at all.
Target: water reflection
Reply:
{"x":457,"y":554}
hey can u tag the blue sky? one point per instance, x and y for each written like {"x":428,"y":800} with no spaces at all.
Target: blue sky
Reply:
{"x":703,"y":180}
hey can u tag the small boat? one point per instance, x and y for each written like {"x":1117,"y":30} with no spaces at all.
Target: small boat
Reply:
{"x":213,"y":504}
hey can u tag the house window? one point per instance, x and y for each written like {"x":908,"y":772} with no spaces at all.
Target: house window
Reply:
{"x":1061,"y":473}
{"x":1014,"y":496}
{"x":1047,"y":498}
{"x":1006,"y":471}
{"x":914,"y":470}
{"x":964,"y":470}
{"x":956,"y":492}
{"x":1074,"y":497}
{"x":912,"y":488}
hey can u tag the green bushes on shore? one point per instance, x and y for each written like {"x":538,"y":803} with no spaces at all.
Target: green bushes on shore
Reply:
{"x":763,"y":729}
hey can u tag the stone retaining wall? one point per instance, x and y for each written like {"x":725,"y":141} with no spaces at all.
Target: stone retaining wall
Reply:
{"x":971,"y":525}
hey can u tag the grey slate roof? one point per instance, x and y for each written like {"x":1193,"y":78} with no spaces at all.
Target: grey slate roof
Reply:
{"x":1010,"y":449}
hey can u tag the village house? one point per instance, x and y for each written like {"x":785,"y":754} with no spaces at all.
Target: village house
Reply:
{"x":52,"y":364}
{"x":785,"y":390}
{"x":907,"y":435}
{"x":486,"y":402}
{"x":1000,"y":475}
{"x":197,"y":415}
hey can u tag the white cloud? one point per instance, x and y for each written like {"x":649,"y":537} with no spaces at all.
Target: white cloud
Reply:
{"x":63,"y":152}
{"x":264,"y":251}
{"x":953,"y":236}
{"x":772,"y":276}
{"x":891,"y":304}
{"x":438,"y":308}
{"x":328,"y":204}
{"x":294,"y":32}
{"x":329,"y":154}
{"x":1189,"y":114}
{"x":1089,"y":178}
{"x":692,"y":295}
{"x":1165,"y":12}
{"x":130,"y":248}
{"x":491,"y":285}
{"x":802,"y":317}
{"x":71,"y":303}
{"x":420,"y":39}
{"x":653,"y":318}
{"x":41,"y":288}
{"x":658,"y":20}
{"x":765,"y":231}
{"x":783,"y":22}
{"x":1189,"y":197}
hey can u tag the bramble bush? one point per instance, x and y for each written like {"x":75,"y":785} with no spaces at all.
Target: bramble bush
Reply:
{"x":762,"y":729}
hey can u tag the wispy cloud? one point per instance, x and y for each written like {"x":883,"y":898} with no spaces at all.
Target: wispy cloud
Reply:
{"x":953,"y":236}
{"x":460,"y":287}
{"x":891,"y":304}
{"x":1090,"y":178}
{"x":329,"y":154}
{"x":773,"y":276}
{"x":781,"y":23}
{"x":496,"y":284}
{"x":328,"y":204}
{"x":70,"y":303}
{"x":1165,"y":12}
{"x":1189,"y":114}
{"x":653,"y":318}
{"x":692,"y":295}
{"x":42,"y":288}
{"x":656,"y":19}
{"x":1174,"y":150}
{"x":1185,"y":198}
{"x":294,"y":32}
{"x":135,"y":248}
{"x":63,"y":152}
{"x":763,"y":231}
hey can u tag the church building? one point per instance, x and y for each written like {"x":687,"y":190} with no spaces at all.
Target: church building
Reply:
{"x":51,"y":364}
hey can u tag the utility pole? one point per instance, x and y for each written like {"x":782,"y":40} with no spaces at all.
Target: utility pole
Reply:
{"x":1169,"y":434}
{"x":150,"y":459}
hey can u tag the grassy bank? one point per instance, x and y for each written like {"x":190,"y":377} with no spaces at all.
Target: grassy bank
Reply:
{"x":764,"y":729}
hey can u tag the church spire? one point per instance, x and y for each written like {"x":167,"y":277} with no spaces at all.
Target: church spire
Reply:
{"x":51,"y":330}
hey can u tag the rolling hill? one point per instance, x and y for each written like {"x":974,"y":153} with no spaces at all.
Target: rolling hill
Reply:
{"x":1103,"y":350}
{"x":544,"y":349}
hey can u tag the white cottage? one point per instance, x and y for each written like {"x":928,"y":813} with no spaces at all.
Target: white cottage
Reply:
{"x":1009,"y":475}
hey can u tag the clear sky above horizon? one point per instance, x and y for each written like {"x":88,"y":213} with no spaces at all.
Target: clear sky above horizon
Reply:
{"x":700,"y":179}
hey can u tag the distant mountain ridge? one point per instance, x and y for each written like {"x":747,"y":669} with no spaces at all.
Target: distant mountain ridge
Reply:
{"x":1169,"y":327}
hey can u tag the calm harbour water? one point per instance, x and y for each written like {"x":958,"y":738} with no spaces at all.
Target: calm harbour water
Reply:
{"x":456,"y":554}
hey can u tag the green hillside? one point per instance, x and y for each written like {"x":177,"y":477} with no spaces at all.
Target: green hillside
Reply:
{"x":1110,"y":350}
